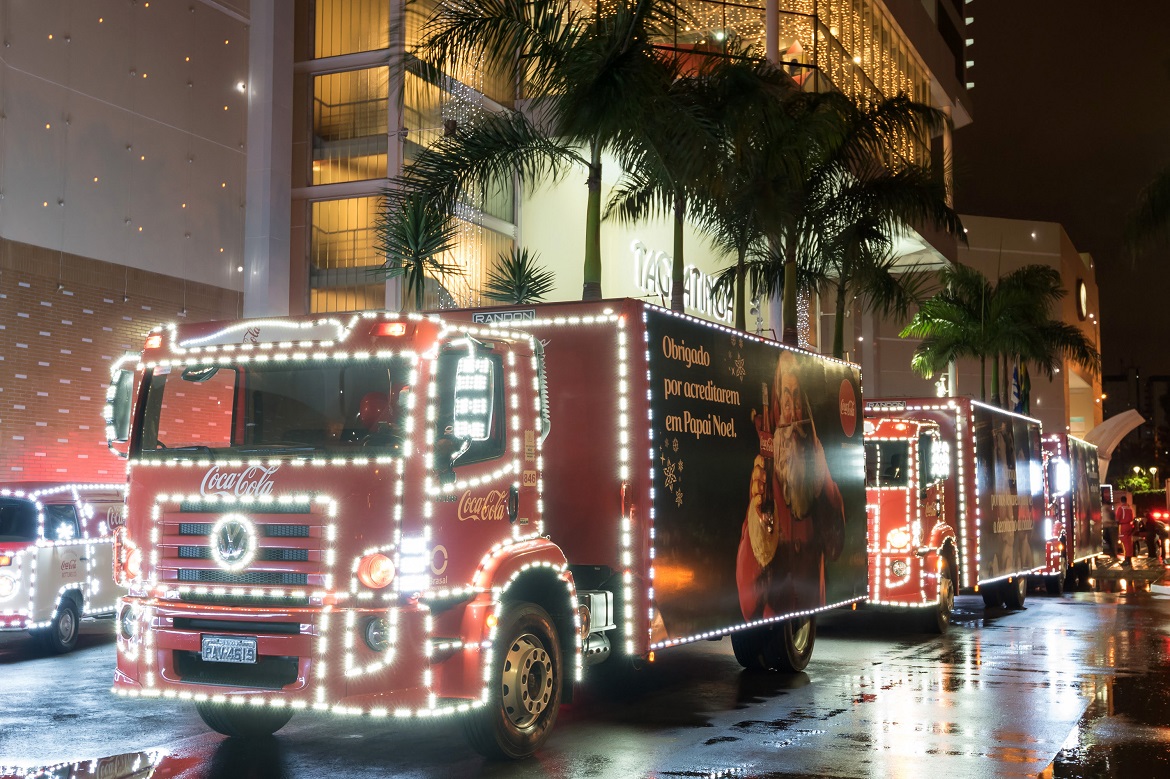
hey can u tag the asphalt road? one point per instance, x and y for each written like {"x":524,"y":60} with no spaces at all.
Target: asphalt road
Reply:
{"x":1071,"y":686}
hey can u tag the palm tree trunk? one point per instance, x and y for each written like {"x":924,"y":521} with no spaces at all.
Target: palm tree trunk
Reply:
{"x":839,"y":322}
{"x":591,"y":289}
{"x":983,"y":378}
{"x":995,"y":381}
{"x":740,"y":292}
{"x":678,"y":274}
{"x":791,"y":334}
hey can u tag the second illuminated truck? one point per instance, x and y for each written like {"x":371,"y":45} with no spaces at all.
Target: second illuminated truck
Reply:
{"x":409,"y":518}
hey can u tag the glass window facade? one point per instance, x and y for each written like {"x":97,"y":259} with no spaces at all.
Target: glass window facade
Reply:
{"x":350,"y":26}
{"x":351,"y":130}
{"x":350,"y":123}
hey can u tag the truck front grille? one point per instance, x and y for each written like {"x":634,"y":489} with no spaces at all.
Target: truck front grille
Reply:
{"x":291,"y":546}
{"x":272,"y":578}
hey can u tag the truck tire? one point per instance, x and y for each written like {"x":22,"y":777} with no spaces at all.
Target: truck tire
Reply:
{"x":1055,"y":584}
{"x":1015,"y":591}
{"x":61,"y":636}
{"x":748,"y":646}
{"x":992,"y":595}
{"x":524,"y":686}
{"x":242,"y":721}
{"x":940,"y":615}
{"x":791,"y":646}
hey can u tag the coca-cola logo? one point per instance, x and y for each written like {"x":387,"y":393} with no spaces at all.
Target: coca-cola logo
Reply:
{"x":847,"y":406}
{"x":483,"y":508}
{"x":68,"y":565}
{"x":255,"y":480}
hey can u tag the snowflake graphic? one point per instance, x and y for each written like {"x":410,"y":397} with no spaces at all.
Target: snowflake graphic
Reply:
{"x":669,"y":476}
{"x":675,"y":445}
{"x":680,"y":465}
{"x":678,"y":498}
{"x":738,"y":370}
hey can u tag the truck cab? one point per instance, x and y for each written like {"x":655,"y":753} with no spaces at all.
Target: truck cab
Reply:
{"x":55,"y":558}
{"x":911,"y":544}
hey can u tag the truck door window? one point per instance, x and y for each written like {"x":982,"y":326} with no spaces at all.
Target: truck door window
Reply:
{"x":18,"y":520}
{"x":61,"y":523}
{"x":471,"y":403}
{"x":885,"y":464}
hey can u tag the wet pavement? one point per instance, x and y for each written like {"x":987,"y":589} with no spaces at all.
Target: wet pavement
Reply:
{"x":1077,"y":686}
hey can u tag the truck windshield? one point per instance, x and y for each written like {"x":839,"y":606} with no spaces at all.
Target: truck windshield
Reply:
{"x":348,"y":408}
{"x":886,"y":463}
{"x":18,"y":520}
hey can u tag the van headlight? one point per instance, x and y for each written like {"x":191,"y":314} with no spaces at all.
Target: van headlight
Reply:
{"x":7,"y":587}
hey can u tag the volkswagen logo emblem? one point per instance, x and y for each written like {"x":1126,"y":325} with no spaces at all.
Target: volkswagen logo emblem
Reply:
{"x":233,"y":542}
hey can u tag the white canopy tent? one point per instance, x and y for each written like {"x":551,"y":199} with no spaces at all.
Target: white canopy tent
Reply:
{"x":1108,"y":435}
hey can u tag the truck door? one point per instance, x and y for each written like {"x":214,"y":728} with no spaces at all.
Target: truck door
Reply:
{"x":479,"y":475}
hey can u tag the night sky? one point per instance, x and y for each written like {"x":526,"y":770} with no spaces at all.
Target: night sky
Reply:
{"x":1072,"y":120}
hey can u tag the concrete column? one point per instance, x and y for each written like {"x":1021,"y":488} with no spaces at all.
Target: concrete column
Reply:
{"x":268,"y":216}
{"x":772,"y":31}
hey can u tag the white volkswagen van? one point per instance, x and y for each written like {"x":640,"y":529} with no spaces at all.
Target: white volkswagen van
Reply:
{"x":56,"y":561}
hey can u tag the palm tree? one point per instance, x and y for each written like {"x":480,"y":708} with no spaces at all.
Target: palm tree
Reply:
{"x":414,"y":236}
{"x":861,"y":222}
{"x":588,"y":81}
{"x":1150,"y":221}
{"x":517,"y":279}
{"x":844,"y":142}
{"x":1007,"y":321}
{"x":686,"y":156}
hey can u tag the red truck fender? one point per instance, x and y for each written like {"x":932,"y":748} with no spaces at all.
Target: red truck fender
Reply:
{"x":534,"y":570}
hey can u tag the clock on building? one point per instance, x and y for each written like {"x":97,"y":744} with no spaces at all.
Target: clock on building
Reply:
{"x":1082,"y":300}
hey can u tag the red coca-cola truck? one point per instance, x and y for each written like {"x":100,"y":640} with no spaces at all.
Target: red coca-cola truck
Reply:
{"x":410,"y":517}
{"x":983,"y":520}
{"x":1073,"y":504}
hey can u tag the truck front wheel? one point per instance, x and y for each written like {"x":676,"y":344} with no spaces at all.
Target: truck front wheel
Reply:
{"x":940,"y":615}
{"x":61,"y":636}
{"x":792,"y":644}
{"x":242,"y":721}
{"x":748,"y":646}
{"x":524,"y":686}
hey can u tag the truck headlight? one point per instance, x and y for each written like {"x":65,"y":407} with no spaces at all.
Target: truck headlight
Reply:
{"x":898,"y":538}
{"x":127,"y":623}
{"x":7,"y":587}
{"x":377,"y":634}
{"x":899,"y":569}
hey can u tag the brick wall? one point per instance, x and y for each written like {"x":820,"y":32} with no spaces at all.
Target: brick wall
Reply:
{"x":63,"y":319}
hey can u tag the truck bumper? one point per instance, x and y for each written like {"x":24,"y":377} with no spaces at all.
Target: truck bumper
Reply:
{"x":311,"y":657}
{"x":898,"y":578}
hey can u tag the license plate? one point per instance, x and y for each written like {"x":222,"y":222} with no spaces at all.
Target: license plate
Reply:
{"x":229,"y":649}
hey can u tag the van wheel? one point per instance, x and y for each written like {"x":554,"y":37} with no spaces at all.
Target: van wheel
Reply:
{"x":791,"y":646}
{"x":1015,"y":591}
{"x":242,"y":720}
{"x":524,"y":686}
{"x":748,"y":646}
{"x":61,"y":636}
{"x":940,"y":614}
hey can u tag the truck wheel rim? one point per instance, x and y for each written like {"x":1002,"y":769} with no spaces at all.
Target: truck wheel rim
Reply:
{"x":527,"y":683}
{"x":800,"y":635}
{"x":66,"y":626}
{"x":946,"y":597}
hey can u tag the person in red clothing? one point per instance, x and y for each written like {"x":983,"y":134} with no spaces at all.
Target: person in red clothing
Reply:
{"x":1124,"y":515}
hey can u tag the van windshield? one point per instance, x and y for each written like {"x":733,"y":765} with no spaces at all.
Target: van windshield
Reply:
{"x":349,"y":408}
{"x":18,"y":520}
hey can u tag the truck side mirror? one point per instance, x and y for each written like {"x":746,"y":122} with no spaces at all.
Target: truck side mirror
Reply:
{"x":119,"y":397}
{"x":448,"y":449}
